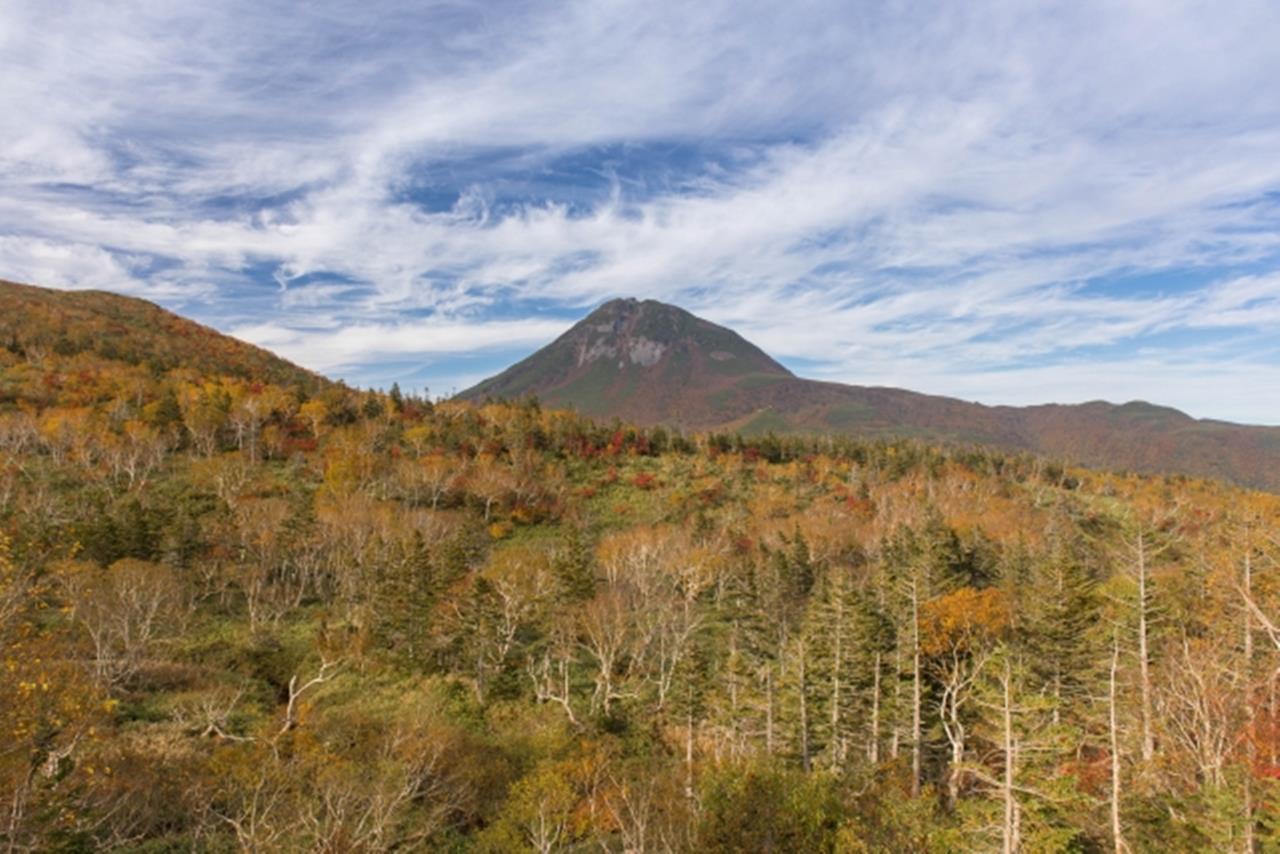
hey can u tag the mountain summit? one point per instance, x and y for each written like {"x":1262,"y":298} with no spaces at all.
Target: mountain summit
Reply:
{"x":650,"y":363}
{"x":641,"y":361}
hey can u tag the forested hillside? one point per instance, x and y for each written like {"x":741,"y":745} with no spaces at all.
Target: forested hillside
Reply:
{"x":242,"y":611}
{"x":39,"y":321}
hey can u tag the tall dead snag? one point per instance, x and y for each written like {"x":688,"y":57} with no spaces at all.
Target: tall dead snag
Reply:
{"x":1141,"y":551}
{"x":1113,"y":733}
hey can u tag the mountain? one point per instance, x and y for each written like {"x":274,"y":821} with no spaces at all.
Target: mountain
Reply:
{"x":652,"y":363}
{"x":109,"y":326}
{"x":640,"y":361}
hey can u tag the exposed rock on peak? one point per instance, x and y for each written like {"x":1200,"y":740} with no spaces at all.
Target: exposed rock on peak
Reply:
{"x":634,"y":358}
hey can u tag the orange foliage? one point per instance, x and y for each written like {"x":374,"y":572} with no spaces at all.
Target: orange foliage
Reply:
{"x":963,"y":619}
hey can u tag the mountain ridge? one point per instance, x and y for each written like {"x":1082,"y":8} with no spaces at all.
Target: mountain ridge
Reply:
{"x":694,"y":374}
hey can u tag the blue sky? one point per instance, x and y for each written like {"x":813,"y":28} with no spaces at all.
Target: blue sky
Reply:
{"x":1002,"y":201}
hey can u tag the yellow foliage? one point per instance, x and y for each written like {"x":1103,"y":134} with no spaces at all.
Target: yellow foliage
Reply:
{"x":963,"y":619}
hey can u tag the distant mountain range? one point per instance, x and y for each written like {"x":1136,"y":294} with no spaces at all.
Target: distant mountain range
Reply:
{"x":649,"y":363}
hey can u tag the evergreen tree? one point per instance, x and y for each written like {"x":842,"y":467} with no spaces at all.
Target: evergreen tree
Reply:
{"x":688,"y":702}
{"x":405,"y":595}
{"x":739,"y":703}
{"x":574,"y":567}
{"x":831,"y":633}
{"x":1061,"y":629}
{"x":918,"y":566}
{"x":1019,"y":768}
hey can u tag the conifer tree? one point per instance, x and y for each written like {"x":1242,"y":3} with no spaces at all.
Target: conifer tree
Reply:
{"x":921,"y":564}
{"x":574,"y":568}
{"x":688,"y":704}
{"x":1061,"y":630}
{"x":738,"y":701}
{"x":404,"y":597}
{"x":846,"y":639}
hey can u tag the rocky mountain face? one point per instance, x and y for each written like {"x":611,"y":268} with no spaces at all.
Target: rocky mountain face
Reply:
{"x":640,"y":361}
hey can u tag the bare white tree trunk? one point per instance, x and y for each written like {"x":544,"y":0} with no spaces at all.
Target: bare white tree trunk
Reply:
{"x":768,"y":725}
{"x":837,"y":753}
{"x":1012,"y":816}
{"x":1144,"y":657}
{"x":873,"y":749}
{"x":1117,"y":832}
{"x":895,"y":740}
{"x":804,"y":710}
{"x":688,"y":753}
{"x":915,"y":690}
{"x":1251,"y":748}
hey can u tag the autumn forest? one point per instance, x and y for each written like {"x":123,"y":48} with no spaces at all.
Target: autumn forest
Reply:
{"x":246,"y":608}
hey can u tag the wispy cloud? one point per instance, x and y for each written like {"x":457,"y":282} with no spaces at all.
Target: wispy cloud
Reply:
{"x":343,"y":345}
{"x":1071,"y":201}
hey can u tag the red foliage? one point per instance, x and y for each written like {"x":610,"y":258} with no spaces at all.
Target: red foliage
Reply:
{"x":1265,"y":735}
{"x":616,"y":443}
{"x":1092,"y":770}
{"x":644,"y":480}
{"x":300,"y":444}
{"x":861,"y":507}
